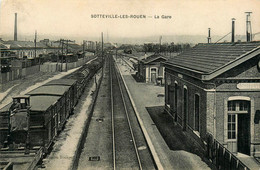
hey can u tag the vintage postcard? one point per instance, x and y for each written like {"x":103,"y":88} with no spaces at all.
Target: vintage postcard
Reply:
{"x":120,"y":84}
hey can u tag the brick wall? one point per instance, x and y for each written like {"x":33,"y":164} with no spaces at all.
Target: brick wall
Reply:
{"x":192,"y":89}
{"x":221,"y":116}
{"x":213,"y":99}
{"x":210,"y":112}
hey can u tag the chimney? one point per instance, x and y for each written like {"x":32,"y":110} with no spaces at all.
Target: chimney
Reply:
{"x":15,"y":27}
{"x":209,"y":38}
{"x":248,"y":27}
{"x":233,"y":30}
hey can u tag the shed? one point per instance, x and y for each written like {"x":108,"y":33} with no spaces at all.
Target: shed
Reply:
{"x":150,"y":68}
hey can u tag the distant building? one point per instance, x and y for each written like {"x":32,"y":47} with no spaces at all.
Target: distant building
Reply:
{"x":215,"y":89}
{"x":27,"y":49}
{"x":150,"y":69}
{"x":45,"y":41}
{"x":74,"y":48}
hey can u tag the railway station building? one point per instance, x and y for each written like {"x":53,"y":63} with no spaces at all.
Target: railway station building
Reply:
{"x":151,"y":69}
{"x":214,"y":89}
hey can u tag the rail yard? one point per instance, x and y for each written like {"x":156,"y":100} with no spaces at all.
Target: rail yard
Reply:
{"x":28,"y":133}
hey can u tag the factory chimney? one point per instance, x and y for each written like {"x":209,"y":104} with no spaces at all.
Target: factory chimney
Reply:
{"x":209,"y":38}
{"x":248,"y":27}
{"x":15,"y":27}
{"x":233,"y":30}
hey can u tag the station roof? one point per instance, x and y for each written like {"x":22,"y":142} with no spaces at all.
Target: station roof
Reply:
{"x":65,"y":82}
{"x":209,"y":59}
{"x":42,"y":103}
{"x":54,"y":90}
{"x":153,"y":57}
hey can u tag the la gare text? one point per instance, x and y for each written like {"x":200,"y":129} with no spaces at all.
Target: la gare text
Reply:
{"x":130,"y":16}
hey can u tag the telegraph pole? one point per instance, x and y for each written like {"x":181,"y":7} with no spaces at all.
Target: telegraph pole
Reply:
{"x":61,"y":53}
{"x":102,"y":52}
{"x":102,"y":46}
{"x":35,"y":39}
{"x":83,"y":46}
{"x":67,"y":55}
{"x":160,"y":40}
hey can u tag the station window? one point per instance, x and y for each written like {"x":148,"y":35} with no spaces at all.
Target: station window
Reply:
{"x":197,"y":113}
{"x":232,"y":126}
{"x":22,"y":100}
{"x":235,"y":107}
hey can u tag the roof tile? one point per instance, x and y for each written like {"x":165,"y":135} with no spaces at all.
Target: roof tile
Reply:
{"x":207,"y":58}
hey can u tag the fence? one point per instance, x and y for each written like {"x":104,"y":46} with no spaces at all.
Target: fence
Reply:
{"x":53,"y":67}
{"x":15,"y":74}
{"x":221,"y":157}
{"x":18,"y":73}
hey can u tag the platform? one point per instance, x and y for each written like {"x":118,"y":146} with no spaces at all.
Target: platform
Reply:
{"x":148,"y":95}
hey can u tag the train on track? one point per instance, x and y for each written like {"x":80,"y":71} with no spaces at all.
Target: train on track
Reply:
{"x":29,"y":124}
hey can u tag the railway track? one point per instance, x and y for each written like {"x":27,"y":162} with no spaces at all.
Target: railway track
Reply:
{"x":122,"y":131}
{"x":114,"y":137}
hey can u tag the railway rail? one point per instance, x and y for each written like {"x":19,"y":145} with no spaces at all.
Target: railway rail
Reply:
{"x":128,"y":133}
{"x":114,"y":138}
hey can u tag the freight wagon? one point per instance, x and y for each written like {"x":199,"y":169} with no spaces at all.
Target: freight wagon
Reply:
{"x":31,"y":122}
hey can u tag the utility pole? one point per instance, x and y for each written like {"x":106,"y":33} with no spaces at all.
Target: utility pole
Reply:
{"x":83,"y":46}
{"x":35,"y":39}
{"x":67,"y":55}
{"x":61,"y":53}
{"x":67,"y":49}
{"x":102,"y":54}
{"x":160,"y":41}
{"x":102,"y":45}
{"x":248,"y":27}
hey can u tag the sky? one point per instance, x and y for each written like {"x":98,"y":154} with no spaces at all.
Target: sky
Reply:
{"x":72,"y":18}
